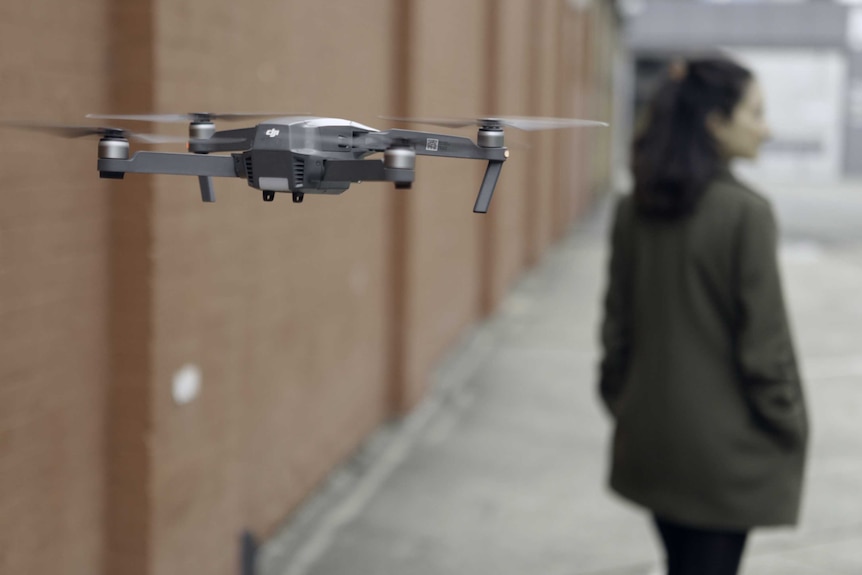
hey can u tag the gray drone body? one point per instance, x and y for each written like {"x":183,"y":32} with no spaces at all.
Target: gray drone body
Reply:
{"x":301,"y":154}
{"x":307,"y":155}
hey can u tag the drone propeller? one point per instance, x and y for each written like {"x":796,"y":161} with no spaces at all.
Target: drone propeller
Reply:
{"x":200,"y":117}
{"x":527,"y":123}
{"x":68,"y":131}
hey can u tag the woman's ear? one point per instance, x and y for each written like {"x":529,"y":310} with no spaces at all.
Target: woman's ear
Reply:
{"x":715,"y":124}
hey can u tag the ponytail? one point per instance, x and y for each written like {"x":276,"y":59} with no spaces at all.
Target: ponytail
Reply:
{"x":674,"y":157}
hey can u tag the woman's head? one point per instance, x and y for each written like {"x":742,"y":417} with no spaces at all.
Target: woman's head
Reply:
{"x":707,"y":112}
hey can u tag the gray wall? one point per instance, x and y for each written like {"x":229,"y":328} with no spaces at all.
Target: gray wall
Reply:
{"x":666,"y":27}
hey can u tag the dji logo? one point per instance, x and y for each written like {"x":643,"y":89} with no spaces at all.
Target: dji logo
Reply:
{"x":272,"y":132}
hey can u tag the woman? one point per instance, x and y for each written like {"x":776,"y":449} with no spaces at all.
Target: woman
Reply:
{"x":698,"y":370}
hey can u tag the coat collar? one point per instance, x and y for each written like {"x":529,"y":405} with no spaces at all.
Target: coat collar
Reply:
{"x":724,"y":173}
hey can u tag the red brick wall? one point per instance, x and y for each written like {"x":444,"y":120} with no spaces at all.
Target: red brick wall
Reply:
{"x":282,"y":306}
{"x":129,"y":491}
{"x":443,"y":238}
{"x":54,"y":262}
{"x":311,"y":324}
{"x":505,"y":253}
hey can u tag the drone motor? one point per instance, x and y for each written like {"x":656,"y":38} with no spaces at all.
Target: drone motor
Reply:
{"x":490,"y":137}
{"x":400,"y":158}
{"x":201,"y":130}
{"x":113,"y":148}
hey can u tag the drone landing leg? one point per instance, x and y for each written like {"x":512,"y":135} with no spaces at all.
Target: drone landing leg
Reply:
{"x":298,"y":197}
{"x":489,"y":182}
{"x":268,"y":195}
{"x":207,"y":192}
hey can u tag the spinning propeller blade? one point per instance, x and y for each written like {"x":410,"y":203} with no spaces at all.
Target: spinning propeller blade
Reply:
{"x":527,"y":123}
{"x":187,"y":117}
{"x":67,"y":131}
{"x":442,"y":122}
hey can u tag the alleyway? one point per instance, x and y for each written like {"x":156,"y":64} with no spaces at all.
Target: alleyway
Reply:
{"x":501,"y":470}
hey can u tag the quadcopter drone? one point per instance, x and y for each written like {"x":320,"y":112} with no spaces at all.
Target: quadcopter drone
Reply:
{"x":303,"y":154}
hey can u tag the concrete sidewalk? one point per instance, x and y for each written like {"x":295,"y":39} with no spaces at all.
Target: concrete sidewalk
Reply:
{"x":501,"y":471}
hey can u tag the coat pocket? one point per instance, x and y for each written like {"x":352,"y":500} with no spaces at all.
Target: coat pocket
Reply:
{"x":779,"y":410}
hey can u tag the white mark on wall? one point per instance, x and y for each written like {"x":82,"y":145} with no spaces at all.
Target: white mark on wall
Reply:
{"x":186,"y":384}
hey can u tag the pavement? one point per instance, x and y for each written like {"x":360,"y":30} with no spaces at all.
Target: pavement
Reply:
{"x":501,"y":469}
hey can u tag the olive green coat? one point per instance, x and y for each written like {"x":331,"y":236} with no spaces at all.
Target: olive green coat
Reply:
{"x":698,"y":369}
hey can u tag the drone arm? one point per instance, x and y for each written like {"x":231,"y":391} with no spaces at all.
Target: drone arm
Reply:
{"x":431,"y":144}
{"x":171,"y":163}
{"x":364,"y":170}
{"x":353,"y":171}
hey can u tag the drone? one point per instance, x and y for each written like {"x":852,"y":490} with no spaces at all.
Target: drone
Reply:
{"x":302,"y":154}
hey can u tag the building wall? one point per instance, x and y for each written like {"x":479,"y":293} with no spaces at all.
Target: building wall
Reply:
{"x":597,"y":92}
{"x":282,"y":307}
{"x":129,"y":491}
{"x":54,"y":269}
{"x":509,"y":90}
{"x":442,"y":269}
{"x":544,"y":65}
{"x":780,"y":30}
{"x":309,"y":324}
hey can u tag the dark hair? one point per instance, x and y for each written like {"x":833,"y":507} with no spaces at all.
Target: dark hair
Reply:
{"x":675,"y":157}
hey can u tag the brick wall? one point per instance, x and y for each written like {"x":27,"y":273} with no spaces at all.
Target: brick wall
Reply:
{"x":54,"y":262}
{"x":509,"y":93}
{"x":311,"y":324}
